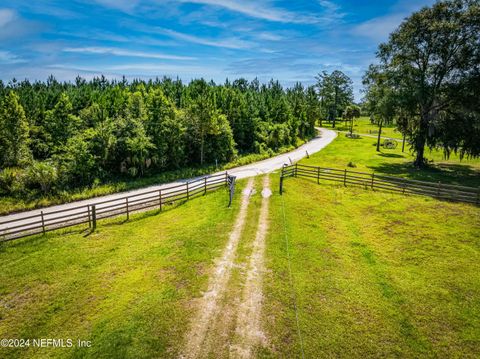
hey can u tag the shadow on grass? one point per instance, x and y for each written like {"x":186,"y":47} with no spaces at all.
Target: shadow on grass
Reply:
{"x":457,"y":174}
{"x":391,"y":155}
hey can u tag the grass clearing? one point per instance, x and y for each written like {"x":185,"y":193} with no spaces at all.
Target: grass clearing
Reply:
{"x":376,"y":274}
{"x":362,"y":153}
{"x":127,"y":288}
{"x":363,"y":125}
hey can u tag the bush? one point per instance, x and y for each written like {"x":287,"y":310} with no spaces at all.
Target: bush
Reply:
{"x":353,"y":135}
{"x":351,"y":164}
{"x":42,"y":175}
{"x":12,"y":181}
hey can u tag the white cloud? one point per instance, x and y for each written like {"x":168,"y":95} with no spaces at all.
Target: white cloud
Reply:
{"x":258,"y":9}
{"x":379,"y":28}
{"x":229,"y":43}
{"x":143,"y":69}
{"x":6,"y":57}
{"x":268,"y":36}
{"x":6,"y":16}
{"x":127,"y":53}
{"x":123,"y":5}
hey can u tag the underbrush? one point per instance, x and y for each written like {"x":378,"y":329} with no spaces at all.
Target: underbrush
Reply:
{"x":31,"y":199}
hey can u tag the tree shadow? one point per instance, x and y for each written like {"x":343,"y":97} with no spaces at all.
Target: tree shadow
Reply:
{"x":391,"y":155}
{"x":457,"y":174}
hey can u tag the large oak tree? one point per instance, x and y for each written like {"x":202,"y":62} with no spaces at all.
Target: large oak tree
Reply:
{"x":431,"y":65}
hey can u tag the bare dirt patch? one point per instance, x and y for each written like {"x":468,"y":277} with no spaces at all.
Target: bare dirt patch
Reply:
{"x":209,"y":304}
{"x":249,"y":333}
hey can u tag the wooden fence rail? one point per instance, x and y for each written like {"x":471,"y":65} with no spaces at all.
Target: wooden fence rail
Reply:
{"x":383,"y":182}
{"x":91,"y":213}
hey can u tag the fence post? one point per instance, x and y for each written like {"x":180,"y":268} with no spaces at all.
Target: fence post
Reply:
{"x":478,"y":196}
{"x":308,"y":156}
{"x":296,"y":169}
{"x":345,"y":177}
{"x":373,"y":178}
{"x":43,"y":223}
{"x":404,"y":185}
{"x":94,"y":217}
{"x":128,"y":213}
{"x":89,"y":217}
{"x":231,"y":188}
{"x":188,"y":193}
{"x":205,"y":186}
{"x":281,"y":183}
{"x":160,"y":199}
{"x":438,"y":188}
{"x":318,"y":175}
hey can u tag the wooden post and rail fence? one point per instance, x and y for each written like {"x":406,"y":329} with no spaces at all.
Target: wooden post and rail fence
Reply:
{"x":376,"y":181}
{"x":48,"y":221}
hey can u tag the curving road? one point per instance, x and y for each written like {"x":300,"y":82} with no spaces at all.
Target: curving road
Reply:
{"x":325,"y":137}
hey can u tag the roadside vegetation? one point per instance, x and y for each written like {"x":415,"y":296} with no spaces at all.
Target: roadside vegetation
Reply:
{"x":61,"y":139}
{"x":33,"y":199}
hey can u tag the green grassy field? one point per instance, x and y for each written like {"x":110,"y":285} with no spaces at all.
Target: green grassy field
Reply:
{"x":375,"y":275}
{"x":363,"y":125}
{"x":362,"y":153}
{"x":127,"y":288}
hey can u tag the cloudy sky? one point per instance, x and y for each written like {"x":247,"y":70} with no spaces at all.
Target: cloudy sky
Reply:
{"x":215,"y":39}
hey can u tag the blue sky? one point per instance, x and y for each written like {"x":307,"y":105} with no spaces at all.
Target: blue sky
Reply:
{"x":215,"y":39}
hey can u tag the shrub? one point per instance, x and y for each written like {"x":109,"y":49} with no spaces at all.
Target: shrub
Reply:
{"x":351,"y":164}
{"x":12,"y":181}
{"x":43,"y":175}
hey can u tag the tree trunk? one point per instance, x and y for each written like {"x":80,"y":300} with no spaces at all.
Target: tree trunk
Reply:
{"x":419,"y":150}
{"x":380,"y":124}
{"x":403,"y":143}
{"x":351,"y":126}
{"x":335,"y":107}
{"x":202,"y":143}
{"x":420,"y":140}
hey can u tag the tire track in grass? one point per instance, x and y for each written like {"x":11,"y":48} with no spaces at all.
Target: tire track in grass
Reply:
{"x":209,"y":305}
{"x":249,"y":333}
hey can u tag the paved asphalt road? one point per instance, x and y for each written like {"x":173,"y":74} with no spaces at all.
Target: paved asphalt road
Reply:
{"x":326,"y":136}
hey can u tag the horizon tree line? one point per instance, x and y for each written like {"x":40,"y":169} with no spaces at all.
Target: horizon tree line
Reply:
{"x":65,"y":135}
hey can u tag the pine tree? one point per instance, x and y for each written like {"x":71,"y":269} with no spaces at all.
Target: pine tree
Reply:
{"x":14,"y":133}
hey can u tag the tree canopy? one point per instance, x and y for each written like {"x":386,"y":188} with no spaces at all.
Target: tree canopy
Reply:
{"x":64,"y":135}
{"x":336,"y":93}
{"x":429,"y":78}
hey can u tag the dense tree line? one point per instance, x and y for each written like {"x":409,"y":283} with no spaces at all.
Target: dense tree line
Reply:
{"x":64,"y":135}
{"x":428,"y":79}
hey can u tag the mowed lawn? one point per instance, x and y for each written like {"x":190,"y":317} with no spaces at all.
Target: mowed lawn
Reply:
{"x":374,"y":274}
{"x":363,"y":125}
{"x":126,"y":288}
{"x":363,"y":155}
